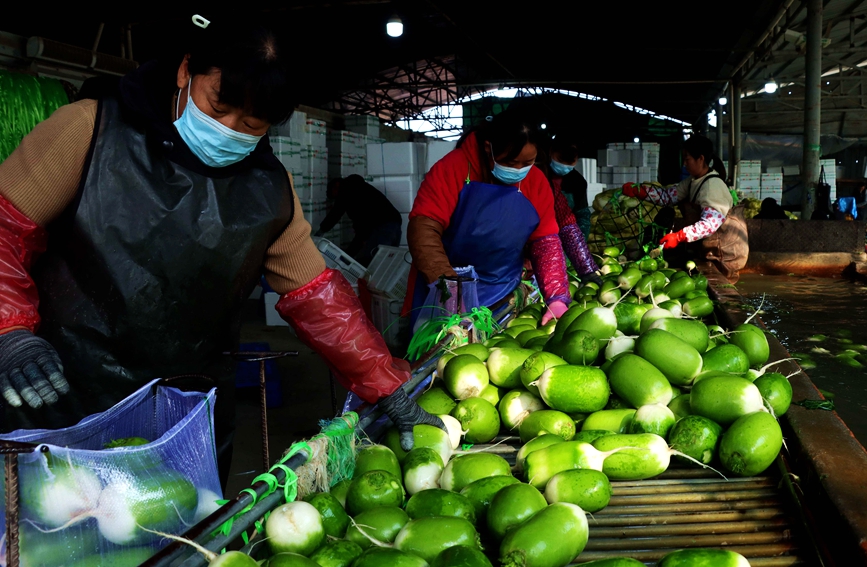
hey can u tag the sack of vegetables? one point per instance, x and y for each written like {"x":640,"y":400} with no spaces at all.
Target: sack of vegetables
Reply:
{"x":89,"y":493}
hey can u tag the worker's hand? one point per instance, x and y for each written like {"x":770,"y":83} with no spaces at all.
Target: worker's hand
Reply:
{"x":405,"y":414}
{"x":595,"y":277}
{"x":30,"y":369}
{"x":555,"y":310}
{"x":673,"y":239}
{"x":634,"y":190}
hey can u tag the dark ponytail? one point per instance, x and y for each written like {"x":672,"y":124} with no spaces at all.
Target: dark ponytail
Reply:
{"x":701,"y":146}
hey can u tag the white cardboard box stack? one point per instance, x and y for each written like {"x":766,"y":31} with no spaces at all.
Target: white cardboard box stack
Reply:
{"x":587,"y":168}
{"x":772,"y":186}
{"x":830,"y":167}
{"x":347,"y":153}
{"x":396,"y":169}
{"x":749,"y":181}
{"x":622,"y":163}
{"x":362,"y":124}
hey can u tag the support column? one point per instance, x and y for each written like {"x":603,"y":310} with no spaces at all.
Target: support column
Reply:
{"x":812,"y":108}
{"x":719,"y":131}
{"x":735,"y":134}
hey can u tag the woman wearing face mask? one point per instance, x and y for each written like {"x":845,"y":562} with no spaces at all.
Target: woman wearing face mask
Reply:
{"x":710,"y":219}
{"x":485,"y":205}
{"x":133,"y":228}
{"x":564,"y":178}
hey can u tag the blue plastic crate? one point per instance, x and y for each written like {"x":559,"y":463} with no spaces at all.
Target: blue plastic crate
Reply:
{"x":247,"y":375}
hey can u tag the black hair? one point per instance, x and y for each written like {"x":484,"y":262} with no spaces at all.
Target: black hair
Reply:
{"x":701,"y":146}
{"x":565,"y":144}
{"x":254,"y":72}
{"x":508,"y":131}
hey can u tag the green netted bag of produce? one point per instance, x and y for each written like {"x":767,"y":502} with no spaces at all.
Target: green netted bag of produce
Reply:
{"x":619,"y":220}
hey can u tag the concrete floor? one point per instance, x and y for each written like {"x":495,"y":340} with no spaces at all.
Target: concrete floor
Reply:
{"x":306,"y":389}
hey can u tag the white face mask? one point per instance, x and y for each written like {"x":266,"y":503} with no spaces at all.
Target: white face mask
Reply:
{"x":215,"y":144}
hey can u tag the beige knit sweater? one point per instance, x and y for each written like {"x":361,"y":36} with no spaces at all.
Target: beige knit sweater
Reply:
{"x":42,"y":175}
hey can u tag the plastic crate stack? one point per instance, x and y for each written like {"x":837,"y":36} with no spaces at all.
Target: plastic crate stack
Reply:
{"x":388,"y":273}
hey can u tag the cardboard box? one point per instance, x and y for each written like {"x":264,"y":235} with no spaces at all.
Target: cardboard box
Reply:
{"x":436,"y":150}
{"x":272,"y":318}
{"x":362,"y":124}
{"x":396,"y":158}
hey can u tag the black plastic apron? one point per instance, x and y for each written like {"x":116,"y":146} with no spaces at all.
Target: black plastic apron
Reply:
{"x":147,"y":271}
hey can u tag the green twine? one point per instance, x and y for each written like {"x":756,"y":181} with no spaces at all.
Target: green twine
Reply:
{"x":434,"y":330}
{"x":826,"y":405}
{"x":25,"y":101}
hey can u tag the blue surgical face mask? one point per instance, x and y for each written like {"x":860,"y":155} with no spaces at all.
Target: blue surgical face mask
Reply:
{"x":560,"y":169}
{"x":509,"y":175}
{"x":215,"y":144}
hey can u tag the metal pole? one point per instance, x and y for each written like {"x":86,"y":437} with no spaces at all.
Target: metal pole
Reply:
{"x":812,"y":108}
{"x":719,"y":130}
{"x":735,"y":154}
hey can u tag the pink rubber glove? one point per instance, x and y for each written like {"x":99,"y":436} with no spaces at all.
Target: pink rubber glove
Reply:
{"x":555,"y":311}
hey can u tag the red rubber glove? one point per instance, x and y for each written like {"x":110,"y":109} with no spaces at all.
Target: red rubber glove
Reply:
{"x":673,"y":239}
{"x":555,"y":311}
{"x":634,"y":190}
{"x":327,"y":315}
{"x":21,"y":240}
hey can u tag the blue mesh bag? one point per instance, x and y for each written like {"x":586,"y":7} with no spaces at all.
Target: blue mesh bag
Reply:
{"x":90,"y":493}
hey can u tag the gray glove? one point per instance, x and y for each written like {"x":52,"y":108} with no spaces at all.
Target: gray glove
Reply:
{"x":31,"y":369}
{"x":405,"y":414}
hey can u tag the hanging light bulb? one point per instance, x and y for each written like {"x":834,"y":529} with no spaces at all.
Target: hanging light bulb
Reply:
{"x":771,"y":87}
{"x":635,"y":139}
{"x":723,"y":101}
{"x":394,"y":27}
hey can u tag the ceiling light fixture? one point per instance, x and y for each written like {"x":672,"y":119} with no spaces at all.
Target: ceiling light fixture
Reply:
{"x":635,"y":139}
{"x":723,"y":101}
{"x":394,"y":27}
{"x":771,"y":87}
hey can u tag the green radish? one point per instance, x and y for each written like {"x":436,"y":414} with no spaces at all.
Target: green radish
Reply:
{"x":286,"y":559}
{"x":587,"y":488}
{"x":776,"y":391}
{"x":423,"y":436}
{"x":675,"y":358}
{"x":615,"y":402}
{"x":563,"y":323}
{"x":700,"y":282}
{"x":724,"y":399}
{"x":519,"y":328}
{"x":652,"y":418}
{"x":648,"y":264}
{"x":57,"y":548}
{"x":753,"y":342}
{"x":491,"y":393}
{"x":696,"y":293}
{"x":516,"y":405}
{"x":125,"y":442}
{"x":590,"y":435}
{"x":376,"y":526}
{"x":340,"y":490}
{"x":535,"y":365}
{"x":428,"y":537}
{"x":546,"y":421}
{"x":640,"y":456}
{"x":56,"y":492}
{"x":694,"y":333}
{"x":296,"y":527}
{"x":538,"y":344}
{"x":600,"y":321}
{"x":470,"y":467}
{"x":505,"y":364}
{"x":577,"y":347}
{"x":336,"y":553}
{"x":512,"y":506}
{"x":137,"y":555}
{"x":543,"y":464}
{"x":376,"y":458}
{"x":479,"y":419}
{"x":422,"y":469}
{"x":528,"y":335}
{"x":703,"y":558}
{"x":628,"y":278}
{"x":482,"y":491}
{"x":614,"y":562}
{"x":461,"y":556}
{"x":454,"y":430}
{"x":553,"y":536}
{"x":465,"y":376}
{"x":651,"y":316}
{"x":436,"y":401}
{"x":717,"y":336}
{"x":540,"y":442}
{"x":674,"y":306}
{"x":644,"y":287}
{"x":679,"y":287}
{"x":615,"y":420}
{"x":574,"y":388}
{"x":698,"y":307}
{"x":335,"y":520}
{"x":638,"y":381}
{"x":629,"y":316}
{"x":387,"y":557}
{"x":751,"y":444}
{"x":619,"y":344}
{"x":725,"y":358}
{"x":610,"y":295}
{"x":439,"y":502}
{"x":695,"y":436}
{"x":680,"y":406}
{"x":371,"y":490}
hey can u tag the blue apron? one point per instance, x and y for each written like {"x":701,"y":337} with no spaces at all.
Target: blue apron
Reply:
{"x":488,"y":230}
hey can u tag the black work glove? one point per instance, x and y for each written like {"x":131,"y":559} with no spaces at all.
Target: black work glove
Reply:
{"x":31,"y":369}
{"x":594,"y":277}
{"x":405,"y":414}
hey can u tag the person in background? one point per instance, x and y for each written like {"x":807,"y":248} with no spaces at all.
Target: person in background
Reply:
{"x":374,"y":219}
{"x":861,"y":200}
{"x":134,"y":227}
{"x":486,"y":205}
{"x":709,"y":218}
{"x":564,"y":178}
{"x":771,"y":210}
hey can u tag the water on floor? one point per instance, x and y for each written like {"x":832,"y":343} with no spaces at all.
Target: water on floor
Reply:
{"x":821,"y":321}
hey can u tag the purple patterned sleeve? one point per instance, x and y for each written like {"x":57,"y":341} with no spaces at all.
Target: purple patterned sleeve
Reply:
{"x":549,"y":265}
{"x":576,"y":249}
